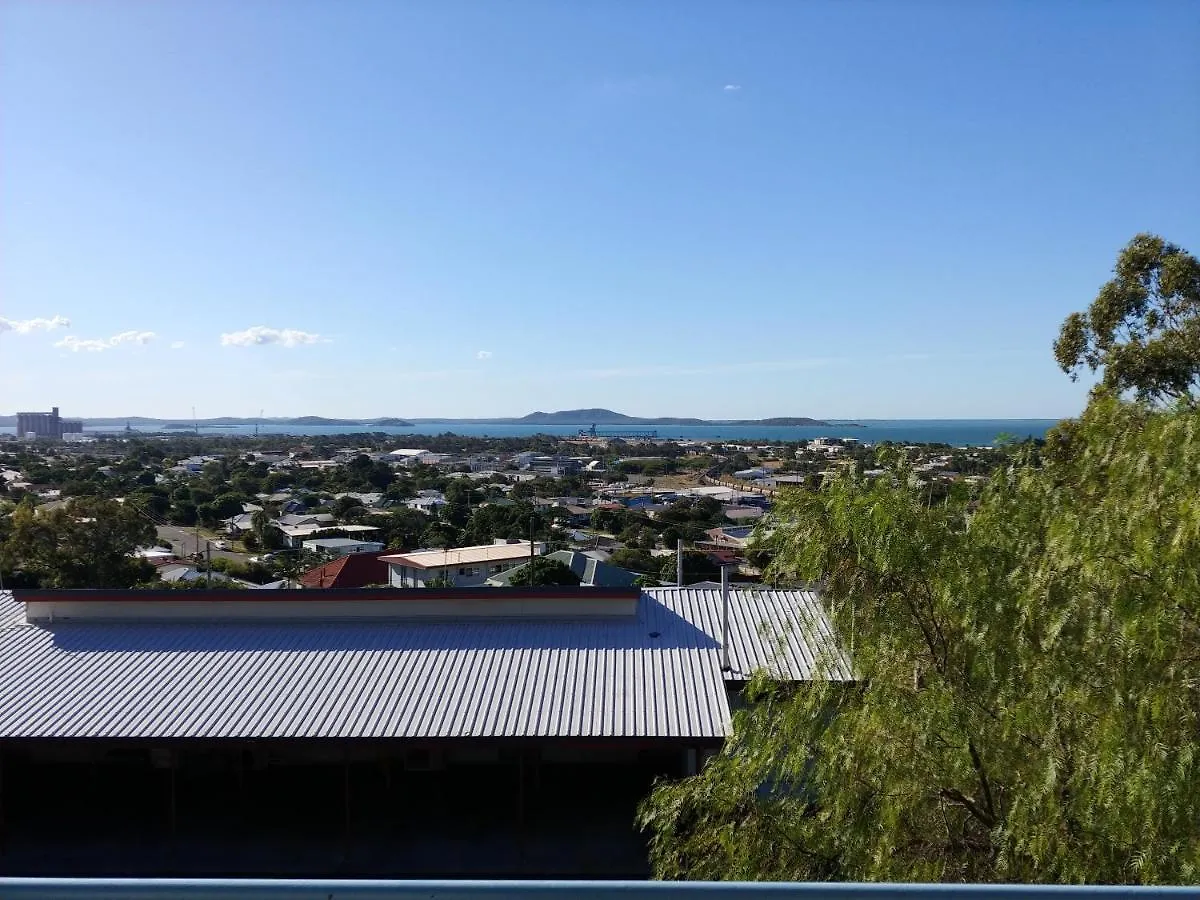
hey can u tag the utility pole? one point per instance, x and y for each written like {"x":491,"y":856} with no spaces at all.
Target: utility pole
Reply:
{"x":208,"y":572}
{"x":531,"y":551}
{"x":679,"y":562}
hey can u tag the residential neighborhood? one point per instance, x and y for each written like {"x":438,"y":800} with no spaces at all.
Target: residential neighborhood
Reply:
{"x":248,"y":512}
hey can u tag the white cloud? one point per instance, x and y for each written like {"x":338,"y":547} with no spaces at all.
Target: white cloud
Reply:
{"x":26,"y":326}
{"x":96,"y":345}
{"x":75,"y":344}
{"x":131,"y":337}
{"x":259,"y":335}
{"x":732,"y":88}
{"x":484,"y":354}
{"x":176,"y":345}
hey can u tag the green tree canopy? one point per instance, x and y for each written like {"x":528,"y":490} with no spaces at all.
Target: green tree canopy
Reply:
{"x":542,"y":571}
{"x":87,"y":544}
{"x":1025,"y":705}
{"x":1143,"y":328}
{"x":697,"y":566}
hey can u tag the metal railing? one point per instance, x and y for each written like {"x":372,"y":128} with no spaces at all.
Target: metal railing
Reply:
{"x":304,"y":889}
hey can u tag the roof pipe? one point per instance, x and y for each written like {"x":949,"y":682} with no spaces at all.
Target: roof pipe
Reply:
{"x":725,"y":666}
{"x":679,"y":562}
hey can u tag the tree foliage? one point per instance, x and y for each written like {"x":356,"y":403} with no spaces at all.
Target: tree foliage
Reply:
{"x":542,"y":571}
{"x":1025,"y":705}
{"x":86,"y":544}
{"x":1143,"y":328}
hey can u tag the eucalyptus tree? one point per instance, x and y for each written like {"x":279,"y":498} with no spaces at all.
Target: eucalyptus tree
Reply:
{"x":1026,"y":697}
{"x":1143,"y":328}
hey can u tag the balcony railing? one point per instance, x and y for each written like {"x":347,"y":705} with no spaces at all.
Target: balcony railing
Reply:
{"x":301,"y":889}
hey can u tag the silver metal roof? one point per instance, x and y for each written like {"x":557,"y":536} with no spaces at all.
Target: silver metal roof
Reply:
{"x":656,"y":674}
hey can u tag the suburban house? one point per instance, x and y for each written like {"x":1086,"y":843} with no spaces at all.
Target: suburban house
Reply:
{"x":461,"y":566}
{"x":368,"y":498}
{"x":297,"y":534}
{"x":237,"y":524}
{"x":337,"y":546}
{"x":292,"y":519}
{"x":354,"y":570}
{"x":371,"y":733}
{"x":192,"y":465}
{"x":592,"y":572}
{"x":728,"y":537}
{"x":179,"y":572}
{"x":743,"y":513}
{"x":426,"y":501}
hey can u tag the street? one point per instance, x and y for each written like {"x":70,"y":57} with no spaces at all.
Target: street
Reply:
{"x":183,"y":542}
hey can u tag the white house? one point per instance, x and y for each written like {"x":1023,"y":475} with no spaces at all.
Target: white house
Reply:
{"x":462,"y":566}
{"x":341,"y":546}
{"x":426,"y":501}
{"x":297,"y":534}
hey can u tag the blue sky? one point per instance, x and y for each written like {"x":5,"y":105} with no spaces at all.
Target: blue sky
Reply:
{"x":852,"y":209}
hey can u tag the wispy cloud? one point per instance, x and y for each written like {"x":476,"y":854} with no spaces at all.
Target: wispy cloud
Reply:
{"x":177,"y":345}
{"x":96,"y":345}
{"x":732,"y":88}
{"x":260,"y":335}
{"x":781,"y":365}
{"x":28,"y":326}
{"x":484,"y":354}
{"x":132,"y":337}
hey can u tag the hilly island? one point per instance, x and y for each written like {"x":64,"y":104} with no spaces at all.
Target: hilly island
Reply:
{"x":582,"y":417}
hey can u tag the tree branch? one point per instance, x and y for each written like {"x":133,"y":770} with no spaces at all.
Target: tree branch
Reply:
{"x":955,"y":796}
{"x":986,"y":787}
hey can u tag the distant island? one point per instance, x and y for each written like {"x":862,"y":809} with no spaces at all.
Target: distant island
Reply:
{"x":600,"y":416}
{"x":582,"y":417}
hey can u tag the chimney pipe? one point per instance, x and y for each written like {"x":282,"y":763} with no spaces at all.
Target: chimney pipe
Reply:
{"x":725,"y":666}
{"x":679,"y":562}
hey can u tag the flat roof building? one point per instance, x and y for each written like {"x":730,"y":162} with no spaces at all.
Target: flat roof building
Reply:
{"x":341,"y":546}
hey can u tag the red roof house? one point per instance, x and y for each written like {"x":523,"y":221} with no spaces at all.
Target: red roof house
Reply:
{"x":354,"y":570}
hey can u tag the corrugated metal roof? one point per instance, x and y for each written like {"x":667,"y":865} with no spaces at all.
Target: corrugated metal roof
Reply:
{"x":785,"y":632}
{"x":656,"y":674}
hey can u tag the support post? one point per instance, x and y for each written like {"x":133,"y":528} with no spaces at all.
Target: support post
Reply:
{"x":725,"y":665}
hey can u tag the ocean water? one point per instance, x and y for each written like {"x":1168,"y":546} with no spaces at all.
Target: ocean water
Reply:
{"x":958,"y":432}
